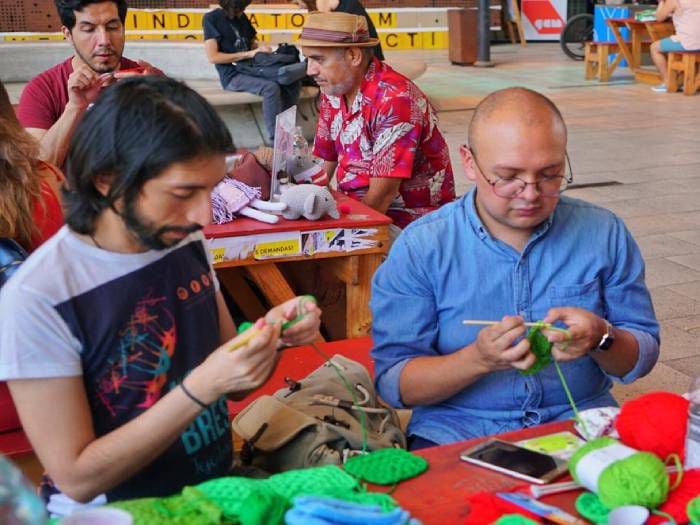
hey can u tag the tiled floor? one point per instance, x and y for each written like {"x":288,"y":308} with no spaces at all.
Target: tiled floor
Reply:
{"x":648,"y":142}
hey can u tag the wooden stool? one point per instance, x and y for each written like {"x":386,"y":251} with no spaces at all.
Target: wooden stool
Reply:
{"x":685,"y":64}
{"x":596,"y":60}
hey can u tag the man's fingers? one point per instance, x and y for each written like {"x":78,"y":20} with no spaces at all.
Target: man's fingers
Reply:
{"x":526,"y":362}
{"x":516,"y":352}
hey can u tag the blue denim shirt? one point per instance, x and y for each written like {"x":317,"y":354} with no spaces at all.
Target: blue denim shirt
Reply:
{"x":446,"y":267}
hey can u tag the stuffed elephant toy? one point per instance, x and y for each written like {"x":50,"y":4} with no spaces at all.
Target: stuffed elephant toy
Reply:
{"x":308,"y":200}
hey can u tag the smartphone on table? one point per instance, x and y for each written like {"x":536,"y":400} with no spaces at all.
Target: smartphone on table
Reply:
{"x":515,"y":461}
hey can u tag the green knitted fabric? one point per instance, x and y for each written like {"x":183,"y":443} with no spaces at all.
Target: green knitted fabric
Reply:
{"x":250,"y":501}
{"x":514,"y":519}
{"x":317,"y":481}
{"x":386,"y":466}
{"x":229,"y":493}
{"x":192,"y":507}
{"x":262,"y":506}
{"x":590,"y":507}
{"x":541,"y":347}
{"x":694,"y":511}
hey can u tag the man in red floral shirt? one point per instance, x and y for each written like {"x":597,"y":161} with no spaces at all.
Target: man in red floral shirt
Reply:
{"x":376,"y":130}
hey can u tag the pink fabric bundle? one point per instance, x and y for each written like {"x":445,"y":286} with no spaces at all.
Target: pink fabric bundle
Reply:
{"x":229,"y":197}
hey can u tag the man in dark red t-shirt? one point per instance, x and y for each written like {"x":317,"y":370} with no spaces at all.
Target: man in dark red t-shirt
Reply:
{"x":54,"y":101}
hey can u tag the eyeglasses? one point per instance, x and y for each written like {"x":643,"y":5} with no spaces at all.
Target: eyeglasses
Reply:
{"x":547,"y":186}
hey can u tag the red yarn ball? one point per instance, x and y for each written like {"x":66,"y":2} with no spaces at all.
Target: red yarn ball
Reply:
{"x":677,"y":503}
{"x":656,"y":423}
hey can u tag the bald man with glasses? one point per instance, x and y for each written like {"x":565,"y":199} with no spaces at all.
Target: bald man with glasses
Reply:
{"x":512,"y":250}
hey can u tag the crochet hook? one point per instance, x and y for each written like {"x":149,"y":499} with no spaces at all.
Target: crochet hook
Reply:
{"x":246,"y":337}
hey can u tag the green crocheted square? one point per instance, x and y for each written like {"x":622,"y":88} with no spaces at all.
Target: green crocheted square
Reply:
{"x":230,"y":493}
{"x":312,"y":481}
{"x":386,"y":466}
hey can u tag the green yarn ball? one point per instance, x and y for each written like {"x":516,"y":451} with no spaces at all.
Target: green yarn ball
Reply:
{"x":694,"y":511}
{"x":639,"y":479}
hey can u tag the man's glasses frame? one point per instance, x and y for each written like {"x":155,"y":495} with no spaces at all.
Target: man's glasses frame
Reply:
{"x":566,"y":179}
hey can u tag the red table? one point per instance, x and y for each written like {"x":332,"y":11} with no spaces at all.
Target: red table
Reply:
{"x":439,"y":495}
{"x":351,"y":248}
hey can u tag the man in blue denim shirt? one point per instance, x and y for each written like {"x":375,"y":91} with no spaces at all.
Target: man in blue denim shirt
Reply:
{"x":511,"y":250}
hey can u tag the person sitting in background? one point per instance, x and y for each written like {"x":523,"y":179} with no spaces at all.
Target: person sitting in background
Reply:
{"x":229,"y":37}
{"x":30,"y":211}
{"x":376,"y":131}
{"x":30,"y":189}
{"x":53,"y":102}
{"x":354,"y":7}
{"x":686,"y":20}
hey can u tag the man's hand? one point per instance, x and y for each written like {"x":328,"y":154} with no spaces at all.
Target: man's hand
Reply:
{"x":585,"y":328}
{"x":495,"y":347}
{"x":237,"y":371}
{"x":84,"y":85}
{"x":303,"y":332}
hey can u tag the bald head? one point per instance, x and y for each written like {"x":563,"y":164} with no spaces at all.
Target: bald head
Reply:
{"x":517,"y":107}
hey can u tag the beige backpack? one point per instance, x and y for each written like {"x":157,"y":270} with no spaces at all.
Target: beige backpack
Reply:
{"x":313,"y":422}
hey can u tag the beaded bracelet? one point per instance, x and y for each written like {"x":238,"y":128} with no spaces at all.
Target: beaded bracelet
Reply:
{"x":192,"y":397}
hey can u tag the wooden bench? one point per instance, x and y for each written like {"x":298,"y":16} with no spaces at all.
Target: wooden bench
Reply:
{"x":597,"y":60}
{"x":683,"y":65}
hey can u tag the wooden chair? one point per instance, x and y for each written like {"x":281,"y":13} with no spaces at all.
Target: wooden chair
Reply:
{"x":683,"y":64}
{"x":597,"y":60}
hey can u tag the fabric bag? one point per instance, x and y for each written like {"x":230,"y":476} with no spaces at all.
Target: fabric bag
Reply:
{"x":281,"y":65}
{"x":314,"y":423}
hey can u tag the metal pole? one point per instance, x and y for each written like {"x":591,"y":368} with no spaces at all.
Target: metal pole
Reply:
{"x":483,"y":56}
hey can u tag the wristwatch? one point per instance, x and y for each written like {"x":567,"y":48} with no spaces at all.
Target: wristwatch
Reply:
{"x":608,"y":338}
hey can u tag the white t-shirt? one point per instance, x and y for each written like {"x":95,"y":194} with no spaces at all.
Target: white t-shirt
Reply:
{"x":133,"y":326}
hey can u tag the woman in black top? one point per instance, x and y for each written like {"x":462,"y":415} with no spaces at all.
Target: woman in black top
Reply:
{"x":229,"y":37}
{"x":353,"y":7}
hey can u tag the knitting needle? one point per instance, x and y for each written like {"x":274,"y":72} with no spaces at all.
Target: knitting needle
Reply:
{"x":480,"y":322}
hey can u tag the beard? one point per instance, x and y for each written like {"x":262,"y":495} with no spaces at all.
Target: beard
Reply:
{"x":95,"y":67}
{"x":150,"y":235}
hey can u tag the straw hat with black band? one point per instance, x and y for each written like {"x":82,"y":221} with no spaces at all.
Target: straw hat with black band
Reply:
{"x":336,"y":30}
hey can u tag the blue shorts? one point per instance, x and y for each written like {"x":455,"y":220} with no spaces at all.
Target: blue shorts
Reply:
{"x":666,"y":45}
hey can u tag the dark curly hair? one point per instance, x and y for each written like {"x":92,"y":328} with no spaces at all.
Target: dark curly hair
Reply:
{"x":137,"y":129}
{"x":67,"y":8}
